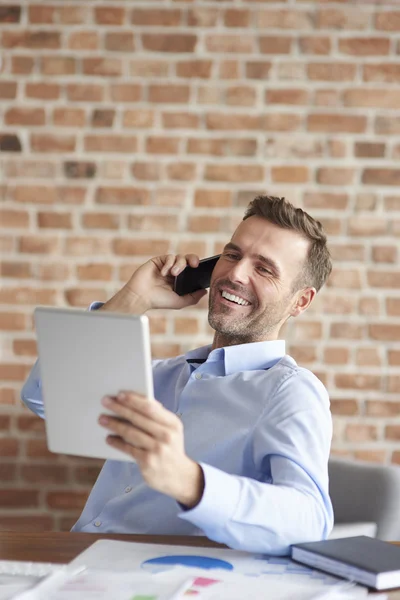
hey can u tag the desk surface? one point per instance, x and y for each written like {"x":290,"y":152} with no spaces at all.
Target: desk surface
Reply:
{"x":63,"y":547}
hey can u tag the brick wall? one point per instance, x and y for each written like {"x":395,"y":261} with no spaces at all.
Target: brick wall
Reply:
{"x":134,"y":128}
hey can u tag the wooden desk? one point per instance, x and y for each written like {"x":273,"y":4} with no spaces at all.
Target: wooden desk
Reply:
{"x":63,"y":547}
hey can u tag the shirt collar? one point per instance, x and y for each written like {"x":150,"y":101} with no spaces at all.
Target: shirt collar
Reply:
{"x":243,"y":357}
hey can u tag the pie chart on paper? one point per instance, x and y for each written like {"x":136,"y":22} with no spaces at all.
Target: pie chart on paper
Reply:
{"x":199,"y":562}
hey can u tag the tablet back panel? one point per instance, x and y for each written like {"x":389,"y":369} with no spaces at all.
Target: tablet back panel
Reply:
{"x":83,"y":357}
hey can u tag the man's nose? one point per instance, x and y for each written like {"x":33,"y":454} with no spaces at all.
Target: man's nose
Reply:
{"x":239,"y":272}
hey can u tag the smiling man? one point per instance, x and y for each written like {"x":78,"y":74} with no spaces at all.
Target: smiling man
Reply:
{"x":236,"y":444}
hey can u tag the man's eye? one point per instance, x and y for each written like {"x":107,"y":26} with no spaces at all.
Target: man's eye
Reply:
{"x":264,"y":270}
{"x":231,"y":256}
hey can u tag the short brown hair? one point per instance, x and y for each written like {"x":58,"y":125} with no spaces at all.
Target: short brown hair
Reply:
{"x":280,"y":212}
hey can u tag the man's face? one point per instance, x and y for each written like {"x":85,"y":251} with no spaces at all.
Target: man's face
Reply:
{"x":251,"y":291}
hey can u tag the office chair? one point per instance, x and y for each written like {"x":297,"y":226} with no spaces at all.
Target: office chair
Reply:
{"x":365,"y":498}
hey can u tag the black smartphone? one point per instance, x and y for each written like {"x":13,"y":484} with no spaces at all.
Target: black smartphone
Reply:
{"x":195,"y":278}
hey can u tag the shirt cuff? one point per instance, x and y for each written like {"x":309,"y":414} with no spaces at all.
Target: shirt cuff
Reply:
{"x":95,"y":305}
{"x":220,"y":498}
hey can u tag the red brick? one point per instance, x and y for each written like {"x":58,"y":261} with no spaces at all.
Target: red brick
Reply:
{"x":385,"y":125}
{"x":149,"y":68}
{"x":344,"y":406}
{"x":71,"y":195}
{"x":120,"y":42}
{"x":30,"y":169}
{"x":151,"y":223}
{"x":310,"y":330}
{"x":19,"y":498}
{"x":140,"y":118}
{"x":331,"y":71}
{"x":382,"y":73}
{"x":57,"y":65}
{"x":81,"y":246}
{"x":342,"y":18}
{"x":209,"y":198}
{"x":124,"y":196}
{"x":8,"y":472}
{"x":170,"y":94}
{"x":109,"y":15}
{"x":37,"y":40}
{"x":233,"y":122}
{"x":335,"y":176}
{"x":394,"y":357}
{"x":8,"y":90}
{"x":388,"y":21}
{"x":14,"y":218}
{"x":374,"y":98}
{"x":384,"y":254}
{"x":165,"y":42}
{"x":156,"y":16}
{"x":12,"y":321}
{"x":100,"y":220}
{"x":54,"y":220}
{"x":42,"y":91}
{"x":384,"y":332}
{"x":336,"y":123}
{"x":338,"y":304}
{"x":359,"y":432}
{"x":24,"y":116}
{"x":22,"y":65}
{"x":303,"y":354}
{"x":347,"y":331}
{"x":94,"y":272}
{"x":281,"y":122}
{"x":83,"y":297}
{"x":38,"y":244}
{"x":368,"y":357}
{"x":103,"y":67}
{"x":393,"y":307}
{"x":82,"y":92}
{"x":235,"y":17}
{"x":204,"y":224}
{"x":86,"y":474}
{"x":289,"y":174}
{"x":180,"y":120}
{"x":381,"y":177}
{"x":381,"y":408}
{"x":186,"y":326}
{"x":83,"y":40}
{"x":345,"y":252}
{"x":240,"y":96}
{"x":370,"y":46}
{"x":392,"y":432}
{"x":26,"y":295}
{"x":222,"y":146}
{"x":366,"y":226}
{"x":326,"y":98}
{"x":258,"y":69}
{"x":38,"y":194}
{"x":10,"y":14}
{"x":224,"y":43}
{"x":10,"y":143}
{"x":129,"y":247}
{"x":41,"y":142}
{"x":315,"y":45}
{"x":345,"y":278}
{"x":228,"y":69}
{"x":12,"y":372}
{"x":25,"y":348}
{"x":20,"y":270}
{"x":7,"y":396}
{"x":336,"y":356}
{"x":287,"y":96}
{"x":325,"y":200}
{"x":369,"y":150}
{"x":274,"y":44}
{"x":146,"y":171}
{"x":234,"y":173}
{"x":56,"y":474}
{"x":194,"y":68}
{"x":389,"y":279}
{"x":392,"y":203}
{"x":162,"y":145}
{"x":200,"y":16}
{"x":69,"y":117}
{"x":357,"y":382}
{"x":66,"y":500}
{"x":110,"y":143}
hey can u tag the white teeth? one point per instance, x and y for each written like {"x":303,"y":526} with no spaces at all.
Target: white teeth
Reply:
{"x":236,"y":299}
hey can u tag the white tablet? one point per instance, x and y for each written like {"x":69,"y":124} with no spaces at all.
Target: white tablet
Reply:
{"x":85,"y":355}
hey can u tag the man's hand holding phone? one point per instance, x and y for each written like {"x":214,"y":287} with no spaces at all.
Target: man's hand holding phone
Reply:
{"x":152,"y":286}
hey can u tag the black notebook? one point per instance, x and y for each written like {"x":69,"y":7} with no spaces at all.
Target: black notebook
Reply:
{"x":366,"y":560}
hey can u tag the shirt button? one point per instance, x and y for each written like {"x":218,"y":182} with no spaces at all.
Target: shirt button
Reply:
{"x":128,"y":489}
{"x":179,"y":415}
{"x":198,"y":375}
{"x":97,"y":523}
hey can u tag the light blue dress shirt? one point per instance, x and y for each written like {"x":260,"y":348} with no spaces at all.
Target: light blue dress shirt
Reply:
{"x":260,"y":427}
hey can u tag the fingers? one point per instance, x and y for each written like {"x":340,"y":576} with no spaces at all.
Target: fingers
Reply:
{"x":193,"y":298}
{"x":174,"y":264}
{"x":140,"y":411}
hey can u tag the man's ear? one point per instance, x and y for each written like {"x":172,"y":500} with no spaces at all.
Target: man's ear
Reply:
{"x":303,"y":300}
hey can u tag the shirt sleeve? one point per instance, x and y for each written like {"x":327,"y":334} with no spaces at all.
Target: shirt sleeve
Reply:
{"x":31,"y":393}
{"x":289,"y":501}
